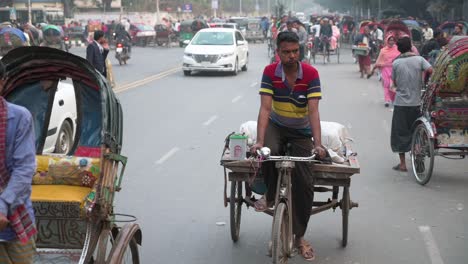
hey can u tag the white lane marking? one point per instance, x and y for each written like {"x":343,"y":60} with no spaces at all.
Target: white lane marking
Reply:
{"x":254,"y":84}
{"x":209,"y":121}
{"x":237,"y":98}
{"x":167,"y":155}
{"x":431,"y":245}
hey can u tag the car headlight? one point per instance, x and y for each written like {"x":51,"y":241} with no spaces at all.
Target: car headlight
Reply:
{"x":227,"y":55}
{"x":188,"y":54}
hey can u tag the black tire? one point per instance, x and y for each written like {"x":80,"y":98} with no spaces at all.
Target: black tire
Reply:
{"x":235,"y":206}
{"x":345,"y":207}
{"x":422,"y":150}
{"x":280,"y":233}
{"x":187,"y":73}
{"x":245,"y":67}
{"x":120,"y":61}
{"x":236,"y":68}
{"x":64,"y":138}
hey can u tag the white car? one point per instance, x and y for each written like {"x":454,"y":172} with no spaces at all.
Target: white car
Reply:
{"x":62,"y":125}
{"x":216,"y":49}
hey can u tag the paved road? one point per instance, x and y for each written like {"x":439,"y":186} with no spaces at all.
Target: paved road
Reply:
{"x":174,"y":131}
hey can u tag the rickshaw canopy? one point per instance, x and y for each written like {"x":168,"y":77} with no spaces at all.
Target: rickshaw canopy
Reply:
{"x":31,"y":78}
{"x":13,"y":31}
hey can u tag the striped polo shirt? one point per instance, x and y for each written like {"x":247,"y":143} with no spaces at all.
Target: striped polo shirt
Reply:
{"x":290,"y":103}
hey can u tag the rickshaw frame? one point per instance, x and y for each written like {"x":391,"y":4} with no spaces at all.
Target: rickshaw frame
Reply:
{"x":327,"y":178}
{"x":27,"y":65}
{"x":424,"y":140}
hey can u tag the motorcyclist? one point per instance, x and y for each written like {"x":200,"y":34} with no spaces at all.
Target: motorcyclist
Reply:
{"x":122,"y":36}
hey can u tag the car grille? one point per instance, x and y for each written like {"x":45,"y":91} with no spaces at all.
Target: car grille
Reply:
{"x":206,"y":58}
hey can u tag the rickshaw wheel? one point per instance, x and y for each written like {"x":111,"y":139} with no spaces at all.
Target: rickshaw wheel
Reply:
{"x":125,"y":249}
{"x":235,"y":204}
{"x":105,"y":243}
{"x":281,"y":237}
{"x":345,"y":206}
{"x":422,"y":150}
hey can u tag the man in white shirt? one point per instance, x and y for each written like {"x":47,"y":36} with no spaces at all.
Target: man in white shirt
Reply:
{"x":427,"y":32}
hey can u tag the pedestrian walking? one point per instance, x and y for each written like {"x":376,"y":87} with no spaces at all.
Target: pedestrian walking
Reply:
{"x":384,"y":64}
{"x":17,"y":167}
{"x":96,"y":52}
{"x":364,"y":60}
{"x":407,"y":79}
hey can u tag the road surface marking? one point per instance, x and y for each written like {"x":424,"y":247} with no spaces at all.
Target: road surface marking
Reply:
{"x":135,"y":84}
{"x":431,"y":245}
{"x":254,"y":84}
{"x":209,"y":121}
{"x":167,"y":155}
{"x":237,"y":98}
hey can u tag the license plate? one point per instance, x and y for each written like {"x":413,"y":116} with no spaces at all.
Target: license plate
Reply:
{"x":205,"y":63}
{"x":119,"y":49}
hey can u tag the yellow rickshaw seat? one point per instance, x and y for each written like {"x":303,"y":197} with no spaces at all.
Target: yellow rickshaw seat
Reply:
{"x":60,"y":194}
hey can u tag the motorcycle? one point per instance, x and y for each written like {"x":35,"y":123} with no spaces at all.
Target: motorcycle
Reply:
{"x":121,"y":53}
{"x":67,"y":43}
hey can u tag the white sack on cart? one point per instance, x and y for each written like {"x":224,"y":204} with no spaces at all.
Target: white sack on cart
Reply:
{"x":249,"y":129}
{"x":334,"y":136}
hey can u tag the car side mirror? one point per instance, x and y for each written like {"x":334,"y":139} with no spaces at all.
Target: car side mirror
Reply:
{"x":240,"y":43}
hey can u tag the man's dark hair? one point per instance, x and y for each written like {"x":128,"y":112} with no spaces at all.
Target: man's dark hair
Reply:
{"x":98,"y":34}
{"x":404,"y":44}
{"x":437,"y":33}
{"x":287,"y":36}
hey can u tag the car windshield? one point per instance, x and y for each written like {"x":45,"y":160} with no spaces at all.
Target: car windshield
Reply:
{"x":213,"y":38}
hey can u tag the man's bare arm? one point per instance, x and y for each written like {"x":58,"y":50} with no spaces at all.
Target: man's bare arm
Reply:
{"x":314,"y":119}
{"x":263,"y":118}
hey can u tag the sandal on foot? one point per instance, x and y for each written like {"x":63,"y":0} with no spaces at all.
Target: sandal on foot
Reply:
{"x":261,"y":205}
{"x":397,"y":168}
{"x":306,"y":251}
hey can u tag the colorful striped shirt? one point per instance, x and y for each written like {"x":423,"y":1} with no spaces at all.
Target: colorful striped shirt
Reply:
{"x":289,"y":107}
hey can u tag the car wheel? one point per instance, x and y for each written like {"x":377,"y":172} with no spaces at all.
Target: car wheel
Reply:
{"x":187,"y":73}
{"x":244,"y":68}
{"x":64,"y":139}
{"x":236,"y":68}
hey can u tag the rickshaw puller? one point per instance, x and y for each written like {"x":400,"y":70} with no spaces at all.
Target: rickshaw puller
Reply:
{"x":290,"y":94}
{"x":17,"y":167}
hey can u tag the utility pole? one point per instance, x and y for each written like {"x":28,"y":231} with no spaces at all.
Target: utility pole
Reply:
{"x":240,"y":7}
{"x":380,"y":10}
{"x":29,"y":12}
{"x":157,"y":11}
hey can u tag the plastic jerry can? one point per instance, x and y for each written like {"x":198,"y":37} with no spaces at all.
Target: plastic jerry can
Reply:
{"x":238,"y":146}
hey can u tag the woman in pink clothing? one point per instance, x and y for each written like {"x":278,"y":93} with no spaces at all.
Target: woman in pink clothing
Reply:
{"x":384,"y":64}
{"x":335,"y":37}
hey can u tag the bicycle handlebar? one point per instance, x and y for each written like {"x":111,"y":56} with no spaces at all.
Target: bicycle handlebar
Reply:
{"x":265,"y":154}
